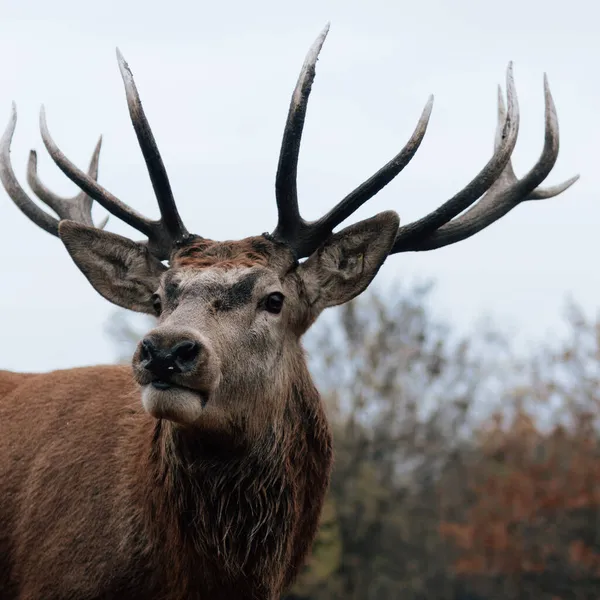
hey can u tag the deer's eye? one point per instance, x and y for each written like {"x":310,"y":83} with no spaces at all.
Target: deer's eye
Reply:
{"x":274,"y":303}
{"x":156,"y":304}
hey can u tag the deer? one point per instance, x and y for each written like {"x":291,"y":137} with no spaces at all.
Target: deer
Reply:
{"x":200,"y":470}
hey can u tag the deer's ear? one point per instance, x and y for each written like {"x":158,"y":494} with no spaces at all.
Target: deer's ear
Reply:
{"x":122,"y":271}
{"x":347,"y":263}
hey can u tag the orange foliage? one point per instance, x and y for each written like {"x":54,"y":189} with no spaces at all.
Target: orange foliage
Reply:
{"x":526,"y":493}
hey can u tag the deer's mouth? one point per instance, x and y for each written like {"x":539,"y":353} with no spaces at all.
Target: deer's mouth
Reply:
{"x":164,"y":385}
{"x":159,"y":384}
{"x":173,"y":401}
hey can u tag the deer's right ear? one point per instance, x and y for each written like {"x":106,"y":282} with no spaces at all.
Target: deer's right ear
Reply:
{"x":347,"y":262}
{"x":122,"y":271}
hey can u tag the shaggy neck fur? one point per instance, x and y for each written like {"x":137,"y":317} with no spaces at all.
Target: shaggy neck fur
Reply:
{"x":241,"y":516}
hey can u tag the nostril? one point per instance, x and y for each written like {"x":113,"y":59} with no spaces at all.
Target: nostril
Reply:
{"x":164,"y":361}
{"x":185,"y":354}
{"x":147,"y":350}
{"x":187,"y":350}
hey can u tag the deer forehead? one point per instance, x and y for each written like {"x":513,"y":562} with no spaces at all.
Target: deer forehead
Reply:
{"x":200,"y":253}
{"x":232,"y":287}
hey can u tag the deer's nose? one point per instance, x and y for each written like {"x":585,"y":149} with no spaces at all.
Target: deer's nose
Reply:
{"x":167,"y":360}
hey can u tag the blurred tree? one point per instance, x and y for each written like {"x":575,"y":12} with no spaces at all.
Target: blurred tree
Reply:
{"x":126,"y":329}
{"x":400,"y":392}
{"x":531,"y":494}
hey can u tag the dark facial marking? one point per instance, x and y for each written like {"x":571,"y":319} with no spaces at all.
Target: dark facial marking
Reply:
{"x":171,"y":291}
{"x":169,"y":279}
{"x":239,"y":294}
{"x":170,"y":287}
{"x":261,"y":246}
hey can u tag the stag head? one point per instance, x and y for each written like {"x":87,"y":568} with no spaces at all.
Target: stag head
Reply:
{"x":227,"y":348}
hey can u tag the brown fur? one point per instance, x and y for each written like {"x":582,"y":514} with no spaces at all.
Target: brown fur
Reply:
{"x":219,"y":495}
{"x":9,"y":381}
{"x":201,"y":253}
{"x":101,"y":501}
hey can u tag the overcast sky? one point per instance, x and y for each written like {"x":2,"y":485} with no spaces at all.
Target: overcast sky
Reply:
{"x":216,"y":79}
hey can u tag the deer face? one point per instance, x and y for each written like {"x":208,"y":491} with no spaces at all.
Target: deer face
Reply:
{"x":230,"y":314}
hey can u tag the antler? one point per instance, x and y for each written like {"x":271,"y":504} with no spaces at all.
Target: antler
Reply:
{"x":162,"y":234}
{"x":169,"y":229}
{"x":443,"y":227}
{"x":302,"y":236}
{"x":496,"y":182}
{"x":495,"y":186}
{"x":78,"y":208}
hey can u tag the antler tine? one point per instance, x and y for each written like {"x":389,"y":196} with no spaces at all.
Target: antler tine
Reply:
{"x":12,"y":186}
{"x":353,"y":201}
{"x":169,"y":230}
{"x":508,"y":174}
{"x":507,"y":139}
{"x":91,"y":187}
{"x":503,"y":195}
{"x":156,"y":169}
{"x":302,"y":236}
{"x":289,"y":220}
{"x":77,"y":208}
{"x":160,"y":242}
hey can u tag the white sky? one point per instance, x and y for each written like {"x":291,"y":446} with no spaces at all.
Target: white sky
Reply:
{"x":216,"y":79}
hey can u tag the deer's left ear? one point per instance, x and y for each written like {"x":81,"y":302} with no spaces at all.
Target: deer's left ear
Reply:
{"x":346,"y":264}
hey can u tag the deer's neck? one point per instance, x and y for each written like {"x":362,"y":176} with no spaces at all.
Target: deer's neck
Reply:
{"x":240,"y":512}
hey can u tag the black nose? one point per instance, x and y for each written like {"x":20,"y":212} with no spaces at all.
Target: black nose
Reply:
{"x":167,"y":360}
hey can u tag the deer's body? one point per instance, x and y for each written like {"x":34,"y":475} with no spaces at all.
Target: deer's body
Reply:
{"x":128,"y":507}
{"x":10,"y":380}
{"x":200,"y":472}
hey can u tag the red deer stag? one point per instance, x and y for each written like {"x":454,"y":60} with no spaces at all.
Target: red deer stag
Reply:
{"x":212,"y":485}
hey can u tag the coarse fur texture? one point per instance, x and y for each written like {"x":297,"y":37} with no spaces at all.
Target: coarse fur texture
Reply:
{"x":101,"y":501}
{"x":210,"y":487}
{"x":200,"y":473}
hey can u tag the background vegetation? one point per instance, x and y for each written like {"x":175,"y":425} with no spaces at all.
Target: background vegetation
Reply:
{"x":462,"y":471}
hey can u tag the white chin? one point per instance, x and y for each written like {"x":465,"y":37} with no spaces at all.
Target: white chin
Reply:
{"x":174,"y":404}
